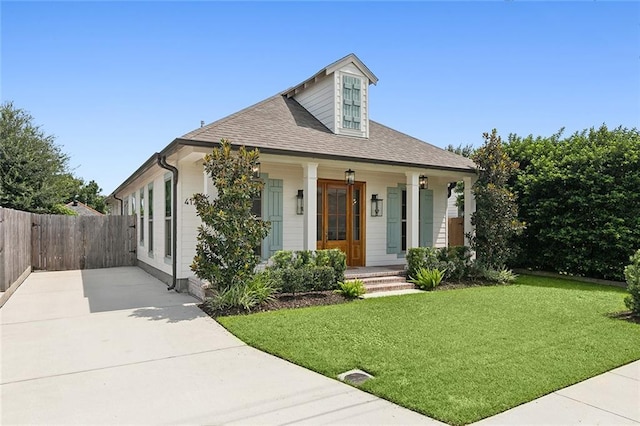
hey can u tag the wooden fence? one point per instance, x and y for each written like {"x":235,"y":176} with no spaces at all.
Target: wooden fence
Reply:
{"x":56,"y":243}
{"x":15,"y":246}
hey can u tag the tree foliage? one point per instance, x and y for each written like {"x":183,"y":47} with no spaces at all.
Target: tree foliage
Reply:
{"x":32,"y":166}
{"x":229,"y":232}
{"x":580,"y":198}
{"x":496,"y":215}
{"x":34,"y":172}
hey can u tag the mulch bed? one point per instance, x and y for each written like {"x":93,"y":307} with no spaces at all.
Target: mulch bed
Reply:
{"x":283,"y":301}
{"x":320,"y":298}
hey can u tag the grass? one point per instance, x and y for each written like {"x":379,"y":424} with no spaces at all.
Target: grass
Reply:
{"x":460,"y":355}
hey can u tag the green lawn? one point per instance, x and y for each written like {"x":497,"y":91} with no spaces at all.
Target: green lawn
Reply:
{"x":459,"y":355}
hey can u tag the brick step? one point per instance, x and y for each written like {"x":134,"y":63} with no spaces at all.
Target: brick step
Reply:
{"x":390,"y":279}
{"x":375,"y":288}
{"x":351,"y":275}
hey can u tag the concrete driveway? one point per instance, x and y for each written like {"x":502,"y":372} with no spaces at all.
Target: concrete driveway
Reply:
{"x":113,"y":346}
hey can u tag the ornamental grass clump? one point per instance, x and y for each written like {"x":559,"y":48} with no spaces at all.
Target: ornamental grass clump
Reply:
{"x":428,"y":279}
{"x":351,"y":289}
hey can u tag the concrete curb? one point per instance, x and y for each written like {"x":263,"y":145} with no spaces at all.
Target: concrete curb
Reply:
{"x":7,"y":294}
{"x":570,"y":277}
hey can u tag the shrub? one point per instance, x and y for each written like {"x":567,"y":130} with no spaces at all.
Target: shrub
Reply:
{"x":632,"y":275}
{"x":421,"y":258}
{"x":282,"y":259}
{"x":457,"y":261}
{"x":305,"y":278}
{"x":318,"y":260}
{"x":351,"y":289}
{"x":500,"y":276}
{"x":338,"y":261}
{"x":427,"y":279}
{"x":323,"y":279}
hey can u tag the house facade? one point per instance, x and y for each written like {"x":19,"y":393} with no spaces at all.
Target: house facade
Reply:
{"x":333,"y":178}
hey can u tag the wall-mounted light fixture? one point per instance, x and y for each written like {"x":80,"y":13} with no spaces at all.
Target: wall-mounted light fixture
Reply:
{"x":424,"y":182}
{"x":376,"y":205}
{"x":299,"y":202}
{"x":256,"y":170}
{"x":349,"y":177}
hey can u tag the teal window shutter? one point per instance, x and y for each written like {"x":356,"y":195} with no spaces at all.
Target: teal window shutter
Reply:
{"x":351,"y":102}
{"x":426,"y":218}
{"x":273,"y":208}
{"x":394,"y":218}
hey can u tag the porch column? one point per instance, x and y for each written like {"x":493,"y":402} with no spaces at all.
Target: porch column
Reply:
{"x":413,"y":210}
{"x":310,"y":184}
{"x":469,"y":209}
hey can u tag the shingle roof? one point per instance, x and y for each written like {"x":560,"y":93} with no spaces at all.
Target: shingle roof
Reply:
{"x":83,"y":209}
{"x":282,"y":124}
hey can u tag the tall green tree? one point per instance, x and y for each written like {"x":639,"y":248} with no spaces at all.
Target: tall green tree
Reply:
{"x":580,"y":198}
{"x":229,"y":232}
{"x":496,"y":215}
{"x":32,"y":166}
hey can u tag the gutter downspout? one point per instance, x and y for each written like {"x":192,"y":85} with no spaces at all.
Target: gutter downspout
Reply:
{"x":121,"y":205}
{"x":162,"y":162}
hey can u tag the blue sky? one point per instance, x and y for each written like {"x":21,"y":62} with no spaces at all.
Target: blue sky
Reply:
{"x":116,"y":82}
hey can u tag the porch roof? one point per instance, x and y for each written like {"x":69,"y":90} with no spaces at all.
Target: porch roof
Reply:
{"x":280,"y":125}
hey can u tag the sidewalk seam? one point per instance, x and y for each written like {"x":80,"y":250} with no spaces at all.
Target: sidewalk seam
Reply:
{"x":122,"y":365}
{"x":596,"y":407}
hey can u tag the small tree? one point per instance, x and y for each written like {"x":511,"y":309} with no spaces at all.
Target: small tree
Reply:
{"x":632,"y":274}
{"x":496,"y":215}
{"x":229,"y":232}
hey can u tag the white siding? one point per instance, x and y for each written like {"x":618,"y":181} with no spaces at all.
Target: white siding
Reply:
{"x":452,"y":209}
{"x":191,"y":181}
{"x":439,"y":212}
{"x":318,"y":100}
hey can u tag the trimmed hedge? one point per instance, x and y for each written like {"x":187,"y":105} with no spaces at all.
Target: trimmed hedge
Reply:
{"x":307,"y":270}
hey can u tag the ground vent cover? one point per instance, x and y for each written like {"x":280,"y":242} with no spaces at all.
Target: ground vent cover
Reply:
{"x":355,"y":377}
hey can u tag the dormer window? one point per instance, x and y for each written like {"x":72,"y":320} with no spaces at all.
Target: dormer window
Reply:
{"x":351,"y":102}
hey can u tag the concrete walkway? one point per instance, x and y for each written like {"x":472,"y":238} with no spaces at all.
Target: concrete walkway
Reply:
{"x":612,"y":398}
{"x":112,"y":346}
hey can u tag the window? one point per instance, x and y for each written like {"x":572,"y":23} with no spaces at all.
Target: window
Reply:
{"x":141,"y":216}
{"x":150,"y":216}
{"x":133,"y":203}
{"x":351,"y":99}
{"x":256,"y":210}
{"x":167,"y":217}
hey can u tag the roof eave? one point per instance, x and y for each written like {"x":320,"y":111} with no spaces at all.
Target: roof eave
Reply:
{"x":276,"y":151}
{"x":330,"y":69}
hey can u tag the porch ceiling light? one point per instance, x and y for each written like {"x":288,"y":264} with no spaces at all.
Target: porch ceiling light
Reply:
{"x":349,"y":177}
{"x":299,"y":202}
{"x":256,"y":170}
{"x":376,"y":206}
{"x":424,"y":182}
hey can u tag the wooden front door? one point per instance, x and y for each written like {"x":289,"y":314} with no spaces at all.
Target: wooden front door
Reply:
{"x":340,"y":222}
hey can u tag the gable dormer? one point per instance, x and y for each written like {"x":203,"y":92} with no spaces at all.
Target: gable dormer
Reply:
{"x":338,"y":96}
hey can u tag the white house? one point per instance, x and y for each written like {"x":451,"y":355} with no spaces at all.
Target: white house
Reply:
{"x":334,"y":178}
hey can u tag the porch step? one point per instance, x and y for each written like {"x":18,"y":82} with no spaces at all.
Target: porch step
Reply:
{"x":392,"y":286}
{"x":389,"y":279}
{"x":363,"y":273}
